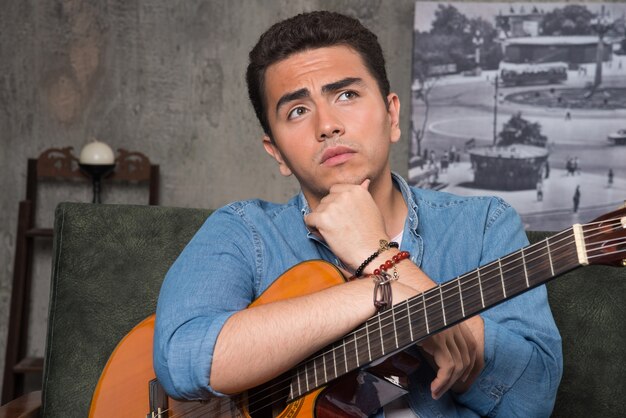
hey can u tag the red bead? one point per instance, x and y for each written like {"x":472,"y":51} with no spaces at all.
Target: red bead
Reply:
{"x":396,"y":258}
{"x":405,"y":254}
{"x":376,"y":272}
{"x":389,"y":264}
{"x":383,"y":267}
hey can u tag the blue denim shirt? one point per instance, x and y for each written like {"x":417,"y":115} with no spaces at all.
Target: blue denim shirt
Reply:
{"x":243,"y":247}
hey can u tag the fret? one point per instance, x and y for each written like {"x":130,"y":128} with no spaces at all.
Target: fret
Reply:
{"x":324,"y":364}
{"x":425,"y":313}
{"x":306,"y":376}
{"x":369,"y":347}
{"x":418,"y":325}
{"x":451,"y":302}
{"x":362,"y":346}
{"x":550,"y":256}
{"x":315,"y":372}
{"x":525,"y":270}
{"x":380,"y":332}
{"x":433,"y":305}
{"x":298,"y":380}
{"x":345,"y":356}
{"x":538,"y":263}
{"x":491,"y":284}
{"x":408,"y":314}
{"x":356,"y":351}
{"x":501,"y":277}
{"x":563,"y":248}
{"x":443,"y":309}
{"x":480,"y":286}
{"x":395,"y":329}
{"x":334,"y":350}
{"x":458,"y":282}
{"x":471,"y":290}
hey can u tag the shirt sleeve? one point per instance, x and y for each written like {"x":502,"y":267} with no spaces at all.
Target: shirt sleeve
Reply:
{"x":212,"y":279}
{"x":523,"y":355}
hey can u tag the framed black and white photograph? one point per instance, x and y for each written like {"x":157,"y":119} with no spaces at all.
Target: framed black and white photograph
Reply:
{"x":526,"y":101}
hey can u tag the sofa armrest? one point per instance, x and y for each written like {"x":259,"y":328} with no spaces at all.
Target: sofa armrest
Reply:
{"x":26,"y":406}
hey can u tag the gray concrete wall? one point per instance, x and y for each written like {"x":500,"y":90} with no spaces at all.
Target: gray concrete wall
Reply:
{"x":161,"y":77}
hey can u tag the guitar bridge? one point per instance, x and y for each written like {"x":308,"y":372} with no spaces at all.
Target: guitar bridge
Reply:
{"x":158,"y":400}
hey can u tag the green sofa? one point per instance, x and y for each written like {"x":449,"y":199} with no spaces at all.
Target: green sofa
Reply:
{"x":109,"y":261}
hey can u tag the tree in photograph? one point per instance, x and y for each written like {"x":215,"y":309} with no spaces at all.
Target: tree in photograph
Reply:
{"x":520,"y":131}
{"x":450,"y":41}
{"x":422,"y":88}
{"x":570,"y":20}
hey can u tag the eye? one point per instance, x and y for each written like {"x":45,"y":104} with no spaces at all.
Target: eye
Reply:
{"x":296,"y":112}
{"x":348,"y":95}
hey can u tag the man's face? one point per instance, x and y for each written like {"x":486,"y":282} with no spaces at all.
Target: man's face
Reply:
{"x":329,"y":122}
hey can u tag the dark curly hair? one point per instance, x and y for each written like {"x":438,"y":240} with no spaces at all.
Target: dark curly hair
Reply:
{"x":308,"y":31}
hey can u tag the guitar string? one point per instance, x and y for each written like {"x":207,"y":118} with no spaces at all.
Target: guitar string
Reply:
{"x":603,"y":244}
{"x":498,"y":275}
{"x":437,"y":309}
{"x":222,"y":410}
{"x":487,"y":280}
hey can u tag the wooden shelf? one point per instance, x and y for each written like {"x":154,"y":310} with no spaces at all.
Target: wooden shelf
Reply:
{"x":29,"y":365}
{"x":39,"y":232}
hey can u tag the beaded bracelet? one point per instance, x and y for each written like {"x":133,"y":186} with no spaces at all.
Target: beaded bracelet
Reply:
{"x":384,"y":246}
{"x":392,"y":262}
{"x":383,"y":298}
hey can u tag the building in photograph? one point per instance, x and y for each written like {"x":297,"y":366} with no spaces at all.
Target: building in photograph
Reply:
{"x":547,"y":58}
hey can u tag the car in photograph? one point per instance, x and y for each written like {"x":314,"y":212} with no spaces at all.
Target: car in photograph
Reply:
{"x":618,"y":138}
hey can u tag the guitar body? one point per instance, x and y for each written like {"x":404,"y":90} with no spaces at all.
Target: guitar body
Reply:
{"x":128,"y":382}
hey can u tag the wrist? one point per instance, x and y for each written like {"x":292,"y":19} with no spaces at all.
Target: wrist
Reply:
{"x":367,"y":266}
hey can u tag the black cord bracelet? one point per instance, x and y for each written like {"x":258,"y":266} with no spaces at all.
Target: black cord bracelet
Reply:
{"x":384,"y":245}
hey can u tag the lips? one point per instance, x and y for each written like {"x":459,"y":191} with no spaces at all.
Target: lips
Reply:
{"x":336,"y":155}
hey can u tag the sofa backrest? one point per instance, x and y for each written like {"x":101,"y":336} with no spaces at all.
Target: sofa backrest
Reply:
{"x":589,"y":307}
{"x":108,"y":265}
{"x":109,"y":262}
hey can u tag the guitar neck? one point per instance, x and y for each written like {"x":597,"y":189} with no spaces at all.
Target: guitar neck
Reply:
{"x":440,"y":307}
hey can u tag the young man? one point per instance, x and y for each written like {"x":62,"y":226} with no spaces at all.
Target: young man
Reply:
{"x":319,"y":87}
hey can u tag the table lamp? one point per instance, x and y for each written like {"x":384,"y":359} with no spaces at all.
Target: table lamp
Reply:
{"x":96,"y":160}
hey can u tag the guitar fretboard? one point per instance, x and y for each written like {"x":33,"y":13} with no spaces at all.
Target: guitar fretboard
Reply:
{"x":436,"y":309}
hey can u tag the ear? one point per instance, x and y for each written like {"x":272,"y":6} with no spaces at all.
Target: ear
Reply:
{"x":393,"y":111}
{"x":274,"y":152}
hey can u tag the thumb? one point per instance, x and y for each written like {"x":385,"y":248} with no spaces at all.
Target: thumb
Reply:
{"x":366,"y":184}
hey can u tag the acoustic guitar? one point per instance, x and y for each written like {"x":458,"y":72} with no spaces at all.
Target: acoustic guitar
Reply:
{"x":368,"y":367}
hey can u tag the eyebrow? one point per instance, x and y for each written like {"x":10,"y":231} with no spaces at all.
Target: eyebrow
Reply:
{"x":327,"y":88}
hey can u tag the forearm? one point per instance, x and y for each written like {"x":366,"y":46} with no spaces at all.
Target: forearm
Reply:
{"x":264,"y":341}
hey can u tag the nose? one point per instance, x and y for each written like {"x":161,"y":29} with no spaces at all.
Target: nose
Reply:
{"x":329,"y":124}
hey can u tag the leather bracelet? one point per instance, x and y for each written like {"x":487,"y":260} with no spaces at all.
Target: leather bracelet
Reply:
{"x":383,"y":297}
{"x":384,"y":246}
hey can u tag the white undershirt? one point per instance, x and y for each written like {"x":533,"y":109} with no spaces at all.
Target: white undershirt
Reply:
{"x":398,"y":238}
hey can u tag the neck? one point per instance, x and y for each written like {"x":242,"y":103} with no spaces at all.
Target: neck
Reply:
{"x":390,"y":203}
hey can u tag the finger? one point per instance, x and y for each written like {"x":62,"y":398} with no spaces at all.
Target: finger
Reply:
{"x":471,"y":350}
{"x":464,"y":351}
{"x":458,"y":367}
{"x":445,"y":363}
